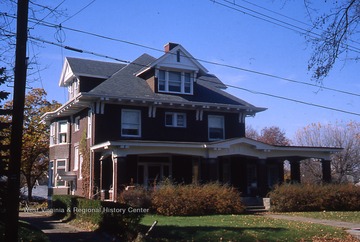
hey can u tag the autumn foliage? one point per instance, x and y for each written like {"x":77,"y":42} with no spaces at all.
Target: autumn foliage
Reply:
{"x":311,"y":197}
{"x":193,"y":199}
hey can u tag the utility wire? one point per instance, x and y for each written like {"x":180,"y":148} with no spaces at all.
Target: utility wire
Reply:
{"x":227,"y":85}
{"x":277,"y":22}
{"x":51,"y":11}
{"x":82,"y":9}
{"x":47,"y":24}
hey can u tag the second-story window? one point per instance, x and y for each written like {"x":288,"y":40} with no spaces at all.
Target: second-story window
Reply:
{"x":77,"y":123}
{"x":52,"y":134}
{"x":62,"y":134}
{"x":175,"y":82}
{"x":175,"y":120}
{"x":216,"y":127}
{"x":130,"y":123}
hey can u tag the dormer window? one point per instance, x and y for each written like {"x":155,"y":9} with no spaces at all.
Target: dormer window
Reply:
{"x":175,"y":82}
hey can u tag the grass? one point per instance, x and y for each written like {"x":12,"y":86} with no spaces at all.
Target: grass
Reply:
{"x":351,"y":217}
{"x":26,"y":233}
{"x":236,"y":228}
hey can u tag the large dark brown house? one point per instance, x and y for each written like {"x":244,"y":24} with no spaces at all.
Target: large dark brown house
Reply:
{"x":160,"y":117}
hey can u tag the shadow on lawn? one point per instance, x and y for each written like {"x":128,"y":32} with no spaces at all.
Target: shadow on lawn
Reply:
{"x":201,"y":233}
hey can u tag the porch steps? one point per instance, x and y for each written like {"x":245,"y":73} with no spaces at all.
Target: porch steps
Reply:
{"x":256,"y":204}
{"x":255,"y":209}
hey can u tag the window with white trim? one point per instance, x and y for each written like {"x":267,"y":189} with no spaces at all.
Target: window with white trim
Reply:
{"x":81,"y":159}
{"x":77,"y":123}
{"x":216,"y":127}
{"x":76,"y":158}
{"x":52,"y":134}
{"x":62,"y":132}
{"x":175,"y":82}
{"x":130,"y":123}
{"x":60,"y":169}
{"x":177,"y":120}
{"x":89,"y":124}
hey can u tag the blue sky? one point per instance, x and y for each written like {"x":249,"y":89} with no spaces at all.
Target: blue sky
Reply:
{"x":212,"y":32}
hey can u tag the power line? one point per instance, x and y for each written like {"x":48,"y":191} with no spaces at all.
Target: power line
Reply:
{"x":277,"y":22}
{"x":47,"y":24}
{"x":51,"y":11}
{"x":228,"y":85}
{"x":293,"y":100}
{"x":82,"y":9}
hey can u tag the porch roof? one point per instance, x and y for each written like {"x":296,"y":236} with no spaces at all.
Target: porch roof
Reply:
{"x":229,"y":147}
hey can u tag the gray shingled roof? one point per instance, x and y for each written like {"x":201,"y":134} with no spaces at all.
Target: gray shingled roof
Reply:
{"x":84,"y":67}
{"x":124,"y":84}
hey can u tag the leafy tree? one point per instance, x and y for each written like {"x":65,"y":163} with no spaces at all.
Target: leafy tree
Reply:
{"x":345,"y":164}
{"x":270,"y":135}
{"x":338,"y":24}
{"x":34,"y":162}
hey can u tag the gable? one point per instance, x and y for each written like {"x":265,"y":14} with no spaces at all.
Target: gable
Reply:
{"x":77,"y":67}
{"x":177,"y":58}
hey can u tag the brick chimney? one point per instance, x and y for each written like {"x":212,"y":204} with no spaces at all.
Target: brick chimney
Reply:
{"x":169,"y":46}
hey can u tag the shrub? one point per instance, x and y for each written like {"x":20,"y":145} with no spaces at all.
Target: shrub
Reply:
{"x":115,"y":218}
{"x":212,"y":198}
{"x":311,"y":197}
{"x":63,"y":205}
{"x":137,"y":197}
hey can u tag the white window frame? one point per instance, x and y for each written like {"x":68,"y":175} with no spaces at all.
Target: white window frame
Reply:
{"x":81,"y":159}
{"x":76,"y":158}
{"x":211,"y":126}
{"x":77,"y":123}
{"x":52,"y":134}
{"x":89,"y":124}
{"x":59,"y":134}
{"x":62,"y":168}
{"x":183,"y":82}
{"x":123,"y":124}
{"x":175,"y":117}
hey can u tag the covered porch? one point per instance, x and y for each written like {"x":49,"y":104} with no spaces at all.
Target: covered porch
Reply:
{"x":251,"y":166}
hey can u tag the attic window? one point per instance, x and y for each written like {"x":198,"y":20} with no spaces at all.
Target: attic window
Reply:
{"x":178,"y":56}
{"x":175,"y":82}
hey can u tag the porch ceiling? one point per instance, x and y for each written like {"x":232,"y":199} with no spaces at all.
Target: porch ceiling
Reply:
{"x":230,"y":147}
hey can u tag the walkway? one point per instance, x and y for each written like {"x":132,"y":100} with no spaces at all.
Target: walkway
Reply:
{"x":351,"y":228}
{"x":58,"y":231}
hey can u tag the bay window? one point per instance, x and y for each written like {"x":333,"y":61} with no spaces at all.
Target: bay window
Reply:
{"x":62,"y":134}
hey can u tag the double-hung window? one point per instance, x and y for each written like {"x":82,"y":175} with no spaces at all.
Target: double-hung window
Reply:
{"x":216,"y":127}
{"x":130,"y":123}
{"x":77,"y":123}
{"x":76,"y":158}
{"x":63,"y":126}
{"x":60,"y":169}
{"x":52,"y":134}
{"x":175,"y":82}
{"x":175,"y":120}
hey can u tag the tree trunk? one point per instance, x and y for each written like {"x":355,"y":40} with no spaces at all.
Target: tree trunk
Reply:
{"x":29,"y":187}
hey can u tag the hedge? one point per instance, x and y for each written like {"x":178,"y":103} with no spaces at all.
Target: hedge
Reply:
{"x":312,"y":197}
{"x":115,"y":218}
{"x":211,"y":198}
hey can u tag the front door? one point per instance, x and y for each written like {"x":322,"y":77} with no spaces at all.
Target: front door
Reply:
{"x":252,"y":183}
{"x":153,"y":174}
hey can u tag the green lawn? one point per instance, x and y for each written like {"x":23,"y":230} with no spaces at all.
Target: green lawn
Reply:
{"x":235,"y":228}
{"x":352,"y":217}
